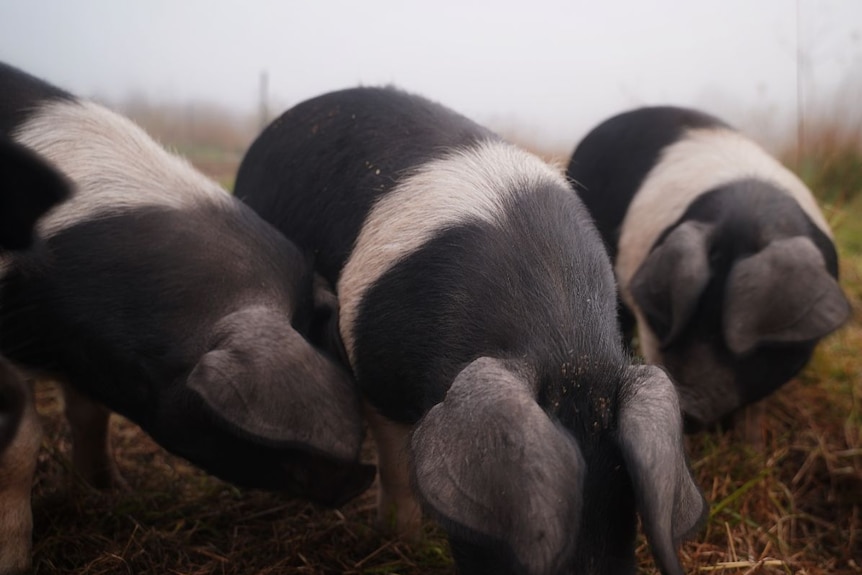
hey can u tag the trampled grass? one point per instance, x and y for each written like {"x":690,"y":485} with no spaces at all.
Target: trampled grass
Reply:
{"x":789,"y":502}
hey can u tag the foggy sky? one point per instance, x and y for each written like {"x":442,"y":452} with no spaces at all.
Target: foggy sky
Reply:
{"x":548,"y":69}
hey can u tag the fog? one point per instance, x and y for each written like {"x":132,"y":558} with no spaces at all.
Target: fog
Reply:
{"x":546,"y":69}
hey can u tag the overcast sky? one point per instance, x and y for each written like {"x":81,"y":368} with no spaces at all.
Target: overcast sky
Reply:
{"x":547,"y":69}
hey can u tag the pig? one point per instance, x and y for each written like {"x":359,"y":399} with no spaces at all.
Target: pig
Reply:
{"x":29,"y":187}
{"x":722,"y":257}
{"x":478,"y":314}
{"x":155,"y":294}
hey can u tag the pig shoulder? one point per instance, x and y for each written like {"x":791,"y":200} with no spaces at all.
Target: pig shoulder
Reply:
{"x":316,"y":171}
{"x":611,"y":162}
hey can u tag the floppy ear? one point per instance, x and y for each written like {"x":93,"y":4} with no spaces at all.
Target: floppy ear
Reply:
{"x":669,"y":283}
{"x":669,"y":501}
{"x":266,"y":384}
{"x":267,"y":381}
{"x":495,"y":471}
{"x":782,"y":294}
{"x":29,"y":187}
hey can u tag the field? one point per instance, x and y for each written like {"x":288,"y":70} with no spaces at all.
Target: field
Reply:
{"x":788,"y":500}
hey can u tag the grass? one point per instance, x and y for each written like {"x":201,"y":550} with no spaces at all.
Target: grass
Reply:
{"x":792,"y":504}
{"x":176,"y":519}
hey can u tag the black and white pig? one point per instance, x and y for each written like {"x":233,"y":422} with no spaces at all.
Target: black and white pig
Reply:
{"x":29,"y":187}
{"x":478,"y":312}
{"x":721,"y":254}
{"x":155,"y":294}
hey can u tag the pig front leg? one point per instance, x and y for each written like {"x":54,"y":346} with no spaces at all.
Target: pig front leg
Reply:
{"x":91,"y":442}
{"x":397,"y":508}
{"x":17,"y":468}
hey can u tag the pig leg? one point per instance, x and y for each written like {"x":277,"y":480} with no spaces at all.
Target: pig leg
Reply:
{"x":397,"y":508}
{"x":17,"y":467}
{"x":749,"y":424}
{"x":91,"y":445}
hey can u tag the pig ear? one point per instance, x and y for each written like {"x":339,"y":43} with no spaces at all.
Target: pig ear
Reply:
{"x":782,"y":294}
{"x":668,"y":285}
{"x":669,"y":501}
{"x":268,"y":382}
{"x":30,"y":188}
{"x":491,"y":467}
